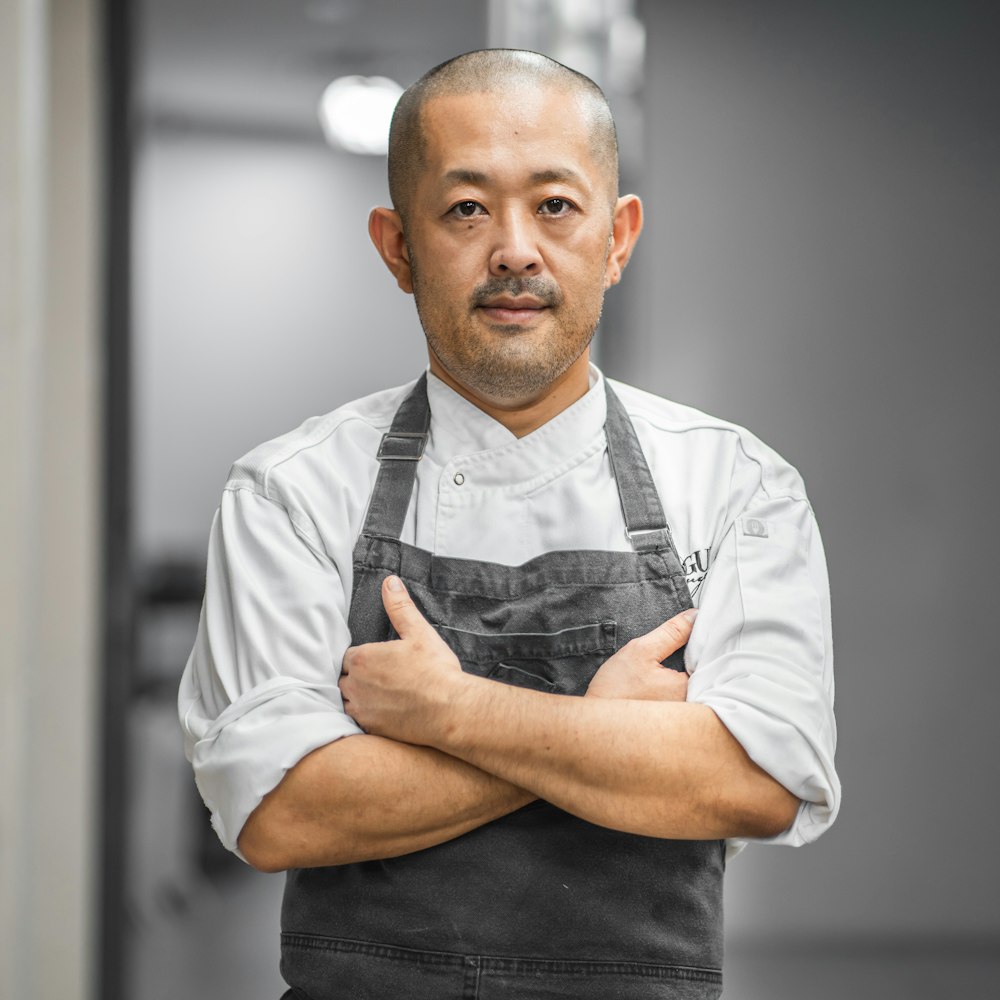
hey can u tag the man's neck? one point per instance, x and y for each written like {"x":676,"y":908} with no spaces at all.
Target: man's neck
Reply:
{"x":521,"y":417}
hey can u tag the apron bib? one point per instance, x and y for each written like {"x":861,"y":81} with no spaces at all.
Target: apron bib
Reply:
{"x":537,"y":905}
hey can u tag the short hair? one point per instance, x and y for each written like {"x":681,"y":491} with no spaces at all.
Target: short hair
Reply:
{"x":485,"y":71}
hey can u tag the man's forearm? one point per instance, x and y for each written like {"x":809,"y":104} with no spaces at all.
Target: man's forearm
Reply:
{"x":664,"y":769}
{"x":658,"y":767}
{"x":364,"y":798}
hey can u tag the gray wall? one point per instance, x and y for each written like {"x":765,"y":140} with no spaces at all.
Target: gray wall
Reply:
{"x":820,"y":265}
{"x":259,"y":302}
{"x":51,"y":165}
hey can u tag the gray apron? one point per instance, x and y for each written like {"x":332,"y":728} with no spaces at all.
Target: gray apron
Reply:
{"x":537,"y":905}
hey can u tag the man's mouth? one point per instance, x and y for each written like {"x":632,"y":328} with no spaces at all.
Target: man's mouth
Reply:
{"x":513,"y":310}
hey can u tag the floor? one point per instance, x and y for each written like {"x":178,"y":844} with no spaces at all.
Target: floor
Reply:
{"x":221,"y":943}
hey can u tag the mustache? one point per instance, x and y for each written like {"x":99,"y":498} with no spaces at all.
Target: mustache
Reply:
{"x":543,"y":289}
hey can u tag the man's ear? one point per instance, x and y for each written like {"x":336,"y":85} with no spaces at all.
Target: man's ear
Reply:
{"x":625,"y":231}
{"x":385,"y":227}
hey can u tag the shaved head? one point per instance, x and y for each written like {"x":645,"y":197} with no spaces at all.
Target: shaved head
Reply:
{"x":493,"y":71}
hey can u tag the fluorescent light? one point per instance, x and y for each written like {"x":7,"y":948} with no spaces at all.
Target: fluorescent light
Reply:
{"x":355,"y":112}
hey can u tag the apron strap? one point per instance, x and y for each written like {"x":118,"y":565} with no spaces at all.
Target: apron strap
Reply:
{"x":645,"y":522}
{"x":400,"y":450}
{"x":403,"y":445}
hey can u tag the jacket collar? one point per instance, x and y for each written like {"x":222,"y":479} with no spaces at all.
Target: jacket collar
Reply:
{"x":489,"y":456}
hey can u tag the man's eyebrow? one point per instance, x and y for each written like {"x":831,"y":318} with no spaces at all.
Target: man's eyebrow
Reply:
{"x":554,"y":175}
{"x":463,"y":176}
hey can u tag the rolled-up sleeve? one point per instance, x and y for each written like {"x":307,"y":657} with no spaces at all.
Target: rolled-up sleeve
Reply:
{"x":259,"y":691}
{"x":761,"y":654}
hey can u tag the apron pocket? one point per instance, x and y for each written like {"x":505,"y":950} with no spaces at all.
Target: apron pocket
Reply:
{"x":525,"y":979}
{"x":320,"y":968}
{"x":560,"y":662}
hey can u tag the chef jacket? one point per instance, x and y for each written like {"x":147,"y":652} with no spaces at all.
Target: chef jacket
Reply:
{"x":259,"y":691}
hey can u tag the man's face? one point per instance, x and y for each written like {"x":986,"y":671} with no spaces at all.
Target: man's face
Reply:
{"x":508,"y":234}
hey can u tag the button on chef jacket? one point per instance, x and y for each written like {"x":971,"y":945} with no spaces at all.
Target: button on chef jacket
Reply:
{"x":259,"y":691}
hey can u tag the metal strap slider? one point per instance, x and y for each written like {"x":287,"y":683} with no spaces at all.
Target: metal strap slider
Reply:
{"x":401,"y":446}
{"x":647,"y":539}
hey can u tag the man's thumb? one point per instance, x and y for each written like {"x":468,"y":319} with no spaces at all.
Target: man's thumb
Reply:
{"x":673,"y":633}
{"x":400,"y":608}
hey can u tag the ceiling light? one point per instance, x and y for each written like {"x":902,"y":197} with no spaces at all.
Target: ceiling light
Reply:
{"x":355,"y":112}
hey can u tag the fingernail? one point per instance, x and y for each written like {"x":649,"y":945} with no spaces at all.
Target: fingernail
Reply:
{"x":690,"y":614}
{"x":394,"y":583}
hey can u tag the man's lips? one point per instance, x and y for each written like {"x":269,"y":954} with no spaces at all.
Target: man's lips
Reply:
{"x":513,"y":310}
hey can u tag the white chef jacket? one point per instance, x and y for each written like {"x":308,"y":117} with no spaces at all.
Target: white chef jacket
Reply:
{"x":259,"y":691}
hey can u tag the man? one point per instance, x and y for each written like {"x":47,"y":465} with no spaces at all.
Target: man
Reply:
{"x":510,"y":517}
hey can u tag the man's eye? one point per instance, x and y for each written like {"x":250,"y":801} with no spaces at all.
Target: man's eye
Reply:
{"x":555,"y":206}
{"x":467,"y":209}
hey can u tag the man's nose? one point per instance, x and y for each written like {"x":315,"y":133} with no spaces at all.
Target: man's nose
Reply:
{"x":516,"y":250}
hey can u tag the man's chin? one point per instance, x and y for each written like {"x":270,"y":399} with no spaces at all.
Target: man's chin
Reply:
{"x":507,"y":384}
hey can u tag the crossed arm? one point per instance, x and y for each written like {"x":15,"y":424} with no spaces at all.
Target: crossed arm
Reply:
{"x":445,"y":752}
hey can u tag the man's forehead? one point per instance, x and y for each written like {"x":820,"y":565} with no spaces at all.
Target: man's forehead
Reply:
{"x":552,"y":123}
{"x":516,"y":107}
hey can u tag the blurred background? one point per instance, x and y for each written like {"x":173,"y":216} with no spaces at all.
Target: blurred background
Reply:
{"x":185,"y":272}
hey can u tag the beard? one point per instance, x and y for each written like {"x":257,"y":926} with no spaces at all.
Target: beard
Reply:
{"x":506,"y":362}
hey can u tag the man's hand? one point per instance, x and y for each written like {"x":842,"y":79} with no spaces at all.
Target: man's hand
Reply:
{"x":613,"y":761}
{"x":635,"y":671}
{"x":393,"y":688}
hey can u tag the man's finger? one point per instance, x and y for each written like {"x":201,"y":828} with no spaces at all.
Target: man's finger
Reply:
{"x":399,"y":606}
{"x":671,"y":635}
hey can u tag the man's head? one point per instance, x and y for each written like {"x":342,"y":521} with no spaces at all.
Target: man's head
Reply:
{"x":507,"y":227}
{"x":491,"y":71}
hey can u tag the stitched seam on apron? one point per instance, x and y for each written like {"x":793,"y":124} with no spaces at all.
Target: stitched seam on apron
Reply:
{"x":501,"y":963}
{"x":533,"y":635}
{"x":546,"y":587}
{"x":348,"y":946}
{"x":585,"y":968}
